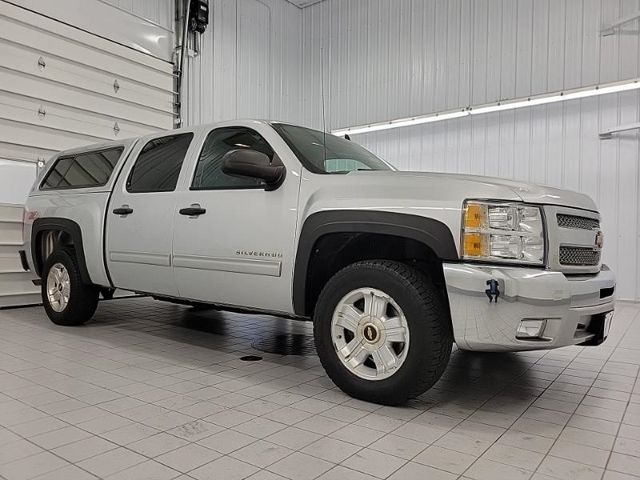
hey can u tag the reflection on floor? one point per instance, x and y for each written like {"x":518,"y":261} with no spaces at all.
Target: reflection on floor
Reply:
{"x":154,"y":390}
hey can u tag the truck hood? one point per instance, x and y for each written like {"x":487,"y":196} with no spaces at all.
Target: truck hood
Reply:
{"x":526,"y":192}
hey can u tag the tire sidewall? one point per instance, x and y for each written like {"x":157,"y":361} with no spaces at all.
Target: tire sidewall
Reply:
{"x":401,"y":383}
{"x":68,"y":316}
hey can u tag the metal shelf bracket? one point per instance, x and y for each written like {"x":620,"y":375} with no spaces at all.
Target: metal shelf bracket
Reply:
{"x":611,"y":28}
{"x":608,"y":133}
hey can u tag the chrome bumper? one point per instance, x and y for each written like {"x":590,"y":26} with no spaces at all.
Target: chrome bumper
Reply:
{"x":568,"y":304}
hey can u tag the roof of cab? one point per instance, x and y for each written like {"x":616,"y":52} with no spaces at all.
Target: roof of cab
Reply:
{"x":126,"y":142}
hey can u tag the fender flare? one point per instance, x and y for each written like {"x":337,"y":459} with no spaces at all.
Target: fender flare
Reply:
{"x":431,"y":232}
{"x":67,"y":226}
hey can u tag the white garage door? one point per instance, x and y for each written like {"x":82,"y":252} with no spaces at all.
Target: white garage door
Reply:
{"x":62,"y":87}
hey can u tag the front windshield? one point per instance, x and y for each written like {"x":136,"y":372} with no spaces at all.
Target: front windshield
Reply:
{"x":340,"y":156}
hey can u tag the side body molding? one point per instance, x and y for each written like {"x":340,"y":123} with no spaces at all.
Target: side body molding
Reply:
{"x":428,"y":231}
{"x":72,"y":229}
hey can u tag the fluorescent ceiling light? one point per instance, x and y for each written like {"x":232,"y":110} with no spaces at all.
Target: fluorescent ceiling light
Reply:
{"x":557,"y":97}
{"x":496,"y":107}
{"x":402,"y":122}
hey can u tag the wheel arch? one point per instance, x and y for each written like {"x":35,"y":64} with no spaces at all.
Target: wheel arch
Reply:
{"x":432,"y":235}
{"x":72,"y":234}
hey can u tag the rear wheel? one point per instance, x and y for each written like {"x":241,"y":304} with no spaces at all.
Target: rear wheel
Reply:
{"x":66,"y":299}
{"x":382,"y":332}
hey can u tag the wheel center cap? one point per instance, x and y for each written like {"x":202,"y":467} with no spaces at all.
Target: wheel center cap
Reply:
{"x":370,"y":333}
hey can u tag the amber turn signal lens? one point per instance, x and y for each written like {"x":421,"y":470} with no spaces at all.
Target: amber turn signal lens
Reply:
{"x":475,"y":215}
{"x":475,"y":245}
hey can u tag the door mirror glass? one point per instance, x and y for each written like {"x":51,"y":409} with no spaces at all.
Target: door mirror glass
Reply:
{"x":254,"y":164}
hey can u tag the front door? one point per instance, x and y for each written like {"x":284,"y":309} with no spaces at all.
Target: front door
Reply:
{"x":140,"y":217}
{"x":236,"y":245}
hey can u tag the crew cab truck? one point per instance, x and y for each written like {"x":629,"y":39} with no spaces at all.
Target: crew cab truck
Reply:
{"x":392,"y":267}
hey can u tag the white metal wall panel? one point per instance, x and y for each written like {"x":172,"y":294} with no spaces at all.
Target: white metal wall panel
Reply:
{"x":249,"y":63}
{"x":16,"y":287}
{"x":555,"y":144}
{"x":386,"y":59}
{"x":61,"y":87}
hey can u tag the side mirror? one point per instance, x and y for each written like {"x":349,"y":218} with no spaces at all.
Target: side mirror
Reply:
{"x":254,"y":164}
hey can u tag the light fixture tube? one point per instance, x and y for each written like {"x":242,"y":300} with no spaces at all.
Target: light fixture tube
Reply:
{"x":496,"y":107}
{"x":402,"y":122}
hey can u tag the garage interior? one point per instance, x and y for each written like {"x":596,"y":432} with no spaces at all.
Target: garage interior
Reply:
{"x":152,"y":390}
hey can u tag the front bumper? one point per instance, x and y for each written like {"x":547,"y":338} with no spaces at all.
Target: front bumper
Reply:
{"x":572,"y":306}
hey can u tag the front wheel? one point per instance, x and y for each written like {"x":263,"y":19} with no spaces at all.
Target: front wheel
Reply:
{"x":382,"y":332}
{"x":66,"y":299}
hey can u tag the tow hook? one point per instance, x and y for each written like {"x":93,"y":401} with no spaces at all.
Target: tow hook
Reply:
{"x":493,"y":292}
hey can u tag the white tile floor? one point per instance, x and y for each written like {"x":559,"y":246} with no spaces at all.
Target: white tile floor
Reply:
{"x":156,"y":391}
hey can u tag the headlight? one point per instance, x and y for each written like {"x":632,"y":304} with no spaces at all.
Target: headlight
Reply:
{"x":507,"y":232}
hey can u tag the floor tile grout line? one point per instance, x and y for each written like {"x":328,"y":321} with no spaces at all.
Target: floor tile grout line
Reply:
{"x":337,"y":401}
{"x":635,"y":383}
{"x":616,"y":437}
{"x":99,"y":435}
{"x":452,"y":428}
{"x":599,"y":371}
{"x":521,"y":416}
{"x":536,"y":397}
{"x":123,"y":446}
{"x":93,"y":435}
{"x":117,"y":445}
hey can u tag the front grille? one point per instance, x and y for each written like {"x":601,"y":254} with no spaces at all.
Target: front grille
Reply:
{"x":574,"y":221}
{"x":571,"y":240}
{"x":579,"y":256}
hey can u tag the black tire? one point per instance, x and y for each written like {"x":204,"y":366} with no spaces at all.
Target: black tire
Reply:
{"x":83,"y":298}
{"x":428,"y":320}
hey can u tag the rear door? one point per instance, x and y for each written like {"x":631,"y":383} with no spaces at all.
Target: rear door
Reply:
{"x":139,"y":226}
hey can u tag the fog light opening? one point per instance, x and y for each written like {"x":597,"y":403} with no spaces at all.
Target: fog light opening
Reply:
{"x":531,"y":329}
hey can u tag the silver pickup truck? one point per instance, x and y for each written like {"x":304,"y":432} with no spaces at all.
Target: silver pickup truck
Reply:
{"x":392,"y":267}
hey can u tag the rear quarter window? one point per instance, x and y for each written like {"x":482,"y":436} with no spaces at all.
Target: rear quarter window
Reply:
{"x":84,"y":170}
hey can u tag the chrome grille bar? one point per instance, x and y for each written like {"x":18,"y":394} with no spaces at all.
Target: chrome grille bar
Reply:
{"x":572,"y":236}
{"x":577,"y":222}
{"x":579,"y":256}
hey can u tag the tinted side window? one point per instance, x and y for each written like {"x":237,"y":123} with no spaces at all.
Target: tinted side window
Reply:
{"x":158,"y":165}
{"x":209,"y":174}
{"x":55,"y":177}
{"x":91,"y":169}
